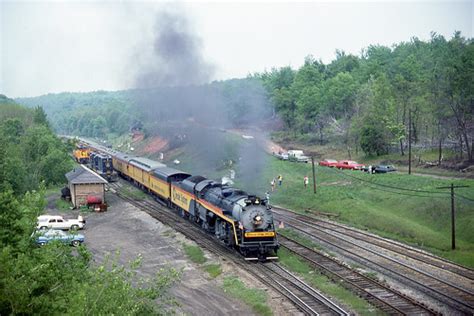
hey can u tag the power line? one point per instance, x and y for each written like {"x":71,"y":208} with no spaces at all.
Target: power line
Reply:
{"x":390,"y":186}
{"x":406,"y":194}
{"x":464,"y":198}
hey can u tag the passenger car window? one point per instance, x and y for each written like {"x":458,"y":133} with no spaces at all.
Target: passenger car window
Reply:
{"x":52,"y":221}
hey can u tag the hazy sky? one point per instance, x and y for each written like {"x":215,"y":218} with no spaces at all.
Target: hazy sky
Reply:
{"x":76,"y":46}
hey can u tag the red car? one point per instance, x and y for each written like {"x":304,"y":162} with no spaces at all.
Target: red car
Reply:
{"x":349,"y":164}
{"x":328,"y":163}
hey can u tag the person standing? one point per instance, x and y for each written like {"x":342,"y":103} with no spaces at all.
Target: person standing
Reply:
{"x":306,"y":181}
{"x":267,"y":197}
{"x":272,"y":183}
{"x":280,"y":179}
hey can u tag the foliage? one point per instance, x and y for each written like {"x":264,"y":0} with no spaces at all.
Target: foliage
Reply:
{"x":431,"y":82}
{"x":29,"y":152}
{"x":55,"y":279}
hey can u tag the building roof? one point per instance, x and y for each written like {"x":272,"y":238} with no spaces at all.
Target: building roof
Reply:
{"x":84,"y":175}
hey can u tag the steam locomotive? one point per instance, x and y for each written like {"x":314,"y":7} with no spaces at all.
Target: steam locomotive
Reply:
{"x":236,"y":218}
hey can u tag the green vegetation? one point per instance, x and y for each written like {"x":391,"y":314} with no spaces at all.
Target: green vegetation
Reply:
{"x":55,"y":279}
{"x":368,"y":102}
{"x":325,"y":285}
{"x":62,"y":204}
{"x":30,"y":153}
{"x":132,"y":192}
{"x":194,"y":253}
{"x":255,"y":298}
{"x":290,"y":233}
{"x":214,"y":270}
{"x":372,"y":202}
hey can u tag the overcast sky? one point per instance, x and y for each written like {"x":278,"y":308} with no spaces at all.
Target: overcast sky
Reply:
{"x":70,"y":46}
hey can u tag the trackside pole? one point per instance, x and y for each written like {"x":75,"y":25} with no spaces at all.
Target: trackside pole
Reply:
{"x":453,"y":216}
{"x":314,"y":175}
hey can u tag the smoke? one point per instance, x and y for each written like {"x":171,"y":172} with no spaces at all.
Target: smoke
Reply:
{"x":174,"y":58}
{"x":173,"y":91}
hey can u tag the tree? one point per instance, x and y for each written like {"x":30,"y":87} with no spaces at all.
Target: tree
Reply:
{"x":40,"y":117}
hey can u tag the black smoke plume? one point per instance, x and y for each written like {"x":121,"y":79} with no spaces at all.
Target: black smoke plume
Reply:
{"x":176,"y":55}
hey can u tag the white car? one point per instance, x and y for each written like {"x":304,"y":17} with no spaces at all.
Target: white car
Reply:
{"x":58,"y":222}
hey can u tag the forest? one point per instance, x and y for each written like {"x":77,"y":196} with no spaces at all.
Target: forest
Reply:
{"x":373,"y":100}
{"x":369,"y":102}
{"x":54,"y":279}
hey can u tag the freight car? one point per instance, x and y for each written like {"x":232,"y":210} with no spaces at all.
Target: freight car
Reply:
{"x":236,"y":218}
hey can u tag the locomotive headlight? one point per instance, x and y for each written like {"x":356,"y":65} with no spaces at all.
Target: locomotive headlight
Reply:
{"x":257,"y":220}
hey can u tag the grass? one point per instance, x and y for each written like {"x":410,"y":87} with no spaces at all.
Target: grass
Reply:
{"x":255,"y":298}
{"x":194,"y":253}
{"x":214,"y":270}
{"x":62,"y":205}
{"x":369,"y":202}
{"x":290,"y":233}
{"x":133,"y":193}
{"x":325,"y":285}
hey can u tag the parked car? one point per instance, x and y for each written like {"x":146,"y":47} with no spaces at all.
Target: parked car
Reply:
{"x":349,"y":164}
{"x":328,"y":163}
{"x":42,"y":237}
{"x":380,"y":168}
{"x":58,"y":222}
{"x":384,"y":169}
{"x":281,"y":156}
{"x":297,"y":155}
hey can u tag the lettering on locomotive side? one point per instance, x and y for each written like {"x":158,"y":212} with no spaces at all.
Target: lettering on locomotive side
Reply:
{"x":178,"y":196}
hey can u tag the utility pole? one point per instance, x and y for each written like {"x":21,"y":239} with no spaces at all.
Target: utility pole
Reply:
{"x":409,"y":141}
{"x":314,"y":175}
{"x":453,"y":217}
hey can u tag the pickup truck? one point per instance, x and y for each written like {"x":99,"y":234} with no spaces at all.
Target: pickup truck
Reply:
{"x":297,"y":155}
{"x":58,"y":222}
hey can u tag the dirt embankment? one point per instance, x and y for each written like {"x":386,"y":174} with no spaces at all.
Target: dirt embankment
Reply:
{"x":156,"y":145}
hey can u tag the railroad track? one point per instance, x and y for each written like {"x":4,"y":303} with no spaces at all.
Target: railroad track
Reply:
{"x":391,"y":245}
{"x":388,"y":300}
{"x":303,"y":296}
{"x":309,"y":300}
{"x":447,"y":292}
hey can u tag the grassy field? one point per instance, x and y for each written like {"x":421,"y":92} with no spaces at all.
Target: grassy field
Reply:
{"x":405,"y":207}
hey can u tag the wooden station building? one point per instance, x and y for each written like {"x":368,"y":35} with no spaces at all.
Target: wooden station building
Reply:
{"x":84,"y":183}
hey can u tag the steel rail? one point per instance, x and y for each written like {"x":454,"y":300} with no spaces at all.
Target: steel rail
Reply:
{"x":387,"y":299}
{"x":194,"y":232}
{"x":439,"y":290}
{"x":405,"y":250}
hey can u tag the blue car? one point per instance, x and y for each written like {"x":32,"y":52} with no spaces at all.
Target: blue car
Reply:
{"x":44,"y":237}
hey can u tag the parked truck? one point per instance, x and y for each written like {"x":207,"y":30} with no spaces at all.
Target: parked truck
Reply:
{"x":297,"y":156}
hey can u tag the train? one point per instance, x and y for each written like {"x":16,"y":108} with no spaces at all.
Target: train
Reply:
{"x":240,"y":220}
{"x":81,"y":154}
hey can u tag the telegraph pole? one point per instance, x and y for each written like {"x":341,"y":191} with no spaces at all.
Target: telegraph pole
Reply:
{"x":409,"y":141}
{"x":453,"y":217}
{"x":314,"y":175}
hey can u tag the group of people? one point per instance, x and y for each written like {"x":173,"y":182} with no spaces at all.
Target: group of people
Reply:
{"x":273,"y":183}
{"x":274,"y":180}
